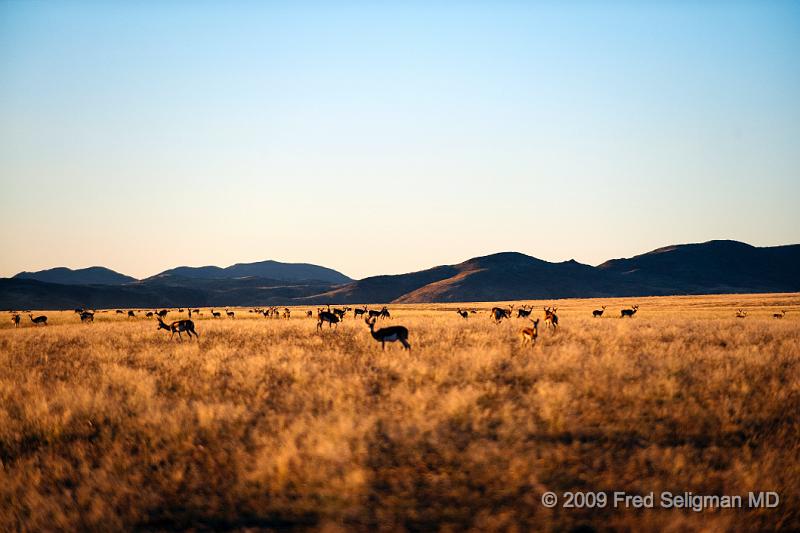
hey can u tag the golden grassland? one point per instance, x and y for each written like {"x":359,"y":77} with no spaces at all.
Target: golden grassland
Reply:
{"x":266,"y":423}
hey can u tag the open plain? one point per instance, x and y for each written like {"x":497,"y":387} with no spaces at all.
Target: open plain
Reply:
{"x":267,"y":423}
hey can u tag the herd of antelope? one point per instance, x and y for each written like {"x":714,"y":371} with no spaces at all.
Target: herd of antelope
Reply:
{"x":336,"y":315}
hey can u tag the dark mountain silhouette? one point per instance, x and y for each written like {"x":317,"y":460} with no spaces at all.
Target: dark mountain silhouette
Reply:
{"x":263,"y":269}
{"x":82,"y":276}
{"x":713,"y":267}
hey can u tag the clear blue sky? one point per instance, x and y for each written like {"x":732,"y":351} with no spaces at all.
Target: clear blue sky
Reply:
{"x":376,"y":139}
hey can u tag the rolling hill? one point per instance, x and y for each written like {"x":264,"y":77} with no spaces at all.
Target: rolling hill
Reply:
{"x":263,"y":269}
{"x":83,"y":276}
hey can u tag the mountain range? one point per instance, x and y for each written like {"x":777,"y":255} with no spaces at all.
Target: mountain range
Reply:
{"x":713,"y":267}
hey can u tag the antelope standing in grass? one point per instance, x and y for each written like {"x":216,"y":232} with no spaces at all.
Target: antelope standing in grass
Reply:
{"x":177,"y":327}
{"x":149,"y":314}
{"x":87,"y":316}
{"x":131,"y":314}
{"x":550,"y":317}
{"x":529,"y":335}
{"x":287,"y":313}
{"x":524,"y":313}
{"x":597,"y":313}
{"x":120,"y":312}
{"x":498,"y":314}
{"x":372,"y":313}
{"x":197,"y":312}
{"x":163,"y":313}
{"x":779,"y":315}
{"x":216,"y":314}
{"x":326,"y":316}
{"x":388,"y":334}
{"x":359,"y":312}
{"x":462,"y":314}
{"x":629,"y":312}
{"x":230,"y":314}
{"x":15,"y":320}
{"x":340,"y":312}
{"x":41,"y":319}
{"x":309,"y":313}
{"x":741,"y":313}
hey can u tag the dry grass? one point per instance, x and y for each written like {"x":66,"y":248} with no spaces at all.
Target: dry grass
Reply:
{"x":267,"y":424}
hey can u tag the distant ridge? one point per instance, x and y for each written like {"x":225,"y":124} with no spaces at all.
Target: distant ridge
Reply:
{"x":96,"y":275}
{"x":262,"y":269}
{"x":713,"y":267}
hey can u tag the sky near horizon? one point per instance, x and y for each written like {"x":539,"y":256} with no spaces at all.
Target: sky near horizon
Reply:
{"x":377,"y":138}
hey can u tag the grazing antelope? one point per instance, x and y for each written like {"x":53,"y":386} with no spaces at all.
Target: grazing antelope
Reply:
{"x":180,"y":310}
{"x":178,"y":326}
{"x":385,"y":313}
{"x":389,"y":334}
{"x":529,"y":335}
{"x":309,"y":313}
{"x":197,"y":312}
{"x":120,"y":312}
{"x":87,"y":316}
{"x":15,"y":320}
{"x":740,"y":313}
{"x":131,"y":314}
{"x":41,"y":319}
{"x":230,"y":314}
{"x":341,"y":312}
{"x":149,"y":314}
{"x":597,"y":313}
{"x":524,"y":313}
{"x":462,"y":314}
{"x":498,"y":314}
{"x":216,"y":314}
{"x":326,"y":316}
{"x":163,"y":313}
{"x":359,"y":312}
{"x":550,"y":317}
{"x":779,"y":315}
{"x":629,"y":312}
{"x":287,"y":313}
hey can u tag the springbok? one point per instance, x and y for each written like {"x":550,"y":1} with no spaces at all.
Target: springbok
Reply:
{"x":779,"y":315}
{"x":524,"y":313}
{"x":498,"y":314}
{"x":359,"y":312}
{"x":629,"y":312}
{"x":131,"y":314}
{"x":41,"y":319}
{"x":149,"y":314}
{"x":216,"y":314}
{"x":120,"y":312}
{"x":163,"y":313}
{"x":230,"y":314}
{"x":15,"y":320}
{"x":87,"y":316}
{"x":462,"y":314}
{"x":390,"y":334}
{"x":372,"y":313}
{"x":550,"y":317}
{"x":529,"y":335}
{"x":741,"y":313}
{"x":177,"y":327}
{"x":597,"y":313}
{"x":326,"y":316}
{"x":341,"y":312}
{"x":287,"y":313}
{"x":309,"y":313}
{"x":197,"y":312}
